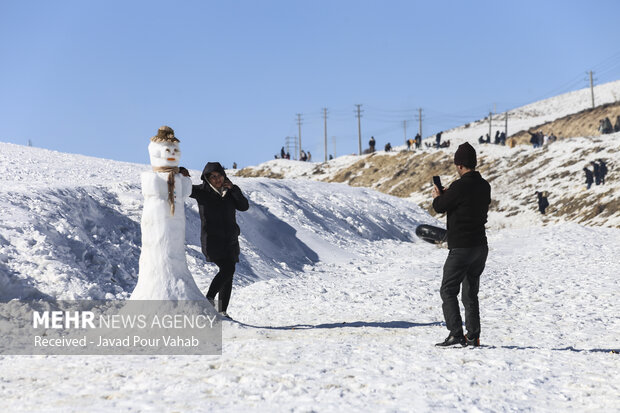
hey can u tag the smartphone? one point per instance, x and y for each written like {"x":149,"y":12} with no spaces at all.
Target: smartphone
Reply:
{"x":437,"y":182}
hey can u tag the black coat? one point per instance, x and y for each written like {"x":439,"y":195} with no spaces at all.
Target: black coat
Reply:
{"x":467,"y":204}
{"x":219,"y":232}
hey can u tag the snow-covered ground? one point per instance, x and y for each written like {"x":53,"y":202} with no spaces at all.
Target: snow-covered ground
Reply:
{"x":336,"y":300}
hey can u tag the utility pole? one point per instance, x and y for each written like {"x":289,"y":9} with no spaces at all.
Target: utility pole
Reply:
{"x":325,"y":130}
{"x":490,"y":121}
{"x":420,"y":118}
{"x":334,"y":140}
{"x":359,"y":127}
{"x":405,"y":127}
{"x":506,"y":124}
{"x":299,"y":125}
{"x":592,"y":88}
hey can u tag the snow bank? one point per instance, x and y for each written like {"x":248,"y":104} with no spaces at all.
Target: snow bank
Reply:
{"x":80,"y":238}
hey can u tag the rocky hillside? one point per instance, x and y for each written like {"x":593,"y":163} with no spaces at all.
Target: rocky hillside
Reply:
{"x":583,"y":123}
{"x":514,"y":173}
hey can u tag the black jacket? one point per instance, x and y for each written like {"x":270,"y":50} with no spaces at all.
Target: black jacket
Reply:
{"x":467,"y":204}
{"x":219,"y":232}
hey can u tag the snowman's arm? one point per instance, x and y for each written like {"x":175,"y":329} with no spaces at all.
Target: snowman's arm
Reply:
{"x":186,"y":184}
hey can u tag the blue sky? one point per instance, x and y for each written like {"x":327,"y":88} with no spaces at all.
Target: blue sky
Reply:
{"x":99,"y":77}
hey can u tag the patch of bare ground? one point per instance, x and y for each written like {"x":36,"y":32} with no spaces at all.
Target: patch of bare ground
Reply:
{"x":584,"y":123}
{"x":490,"y":169}
{"x":583,"y":207}
{"x":259,"y":173}
{"x":398,"y":175}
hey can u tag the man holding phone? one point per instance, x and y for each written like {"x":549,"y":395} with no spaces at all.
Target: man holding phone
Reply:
{"x":467,"y":203}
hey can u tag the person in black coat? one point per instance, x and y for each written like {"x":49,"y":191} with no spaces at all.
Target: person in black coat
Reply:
{"x":602,"y":170}
{"x":596,"y":172}
{"x":372,"y":143}
{"x":218,"y":202}
{"x":543,"y":202}
{"x":467,"y":203}
{"x":589,"y":177}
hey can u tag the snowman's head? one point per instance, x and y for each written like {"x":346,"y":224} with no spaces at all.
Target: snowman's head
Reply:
{"x":164,"y":153}
{"x":164,"y":148}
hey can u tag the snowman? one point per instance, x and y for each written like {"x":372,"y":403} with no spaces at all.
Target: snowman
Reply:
{"x":163,"y":273}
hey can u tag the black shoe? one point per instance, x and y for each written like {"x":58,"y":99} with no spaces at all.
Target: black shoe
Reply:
{"x":453,"y":341}
{"x":474,"y":341}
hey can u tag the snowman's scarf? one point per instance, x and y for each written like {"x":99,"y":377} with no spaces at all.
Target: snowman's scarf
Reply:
{"x":172,"y":170}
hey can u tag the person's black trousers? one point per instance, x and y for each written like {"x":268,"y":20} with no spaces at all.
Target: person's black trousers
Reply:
{"x":222,"y":283}
{"x":463,"y":266}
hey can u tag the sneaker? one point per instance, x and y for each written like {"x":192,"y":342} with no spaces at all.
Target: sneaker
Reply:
{"x":453,"y":341}
{"x":225,"y":315}
{"x":474,"y":341}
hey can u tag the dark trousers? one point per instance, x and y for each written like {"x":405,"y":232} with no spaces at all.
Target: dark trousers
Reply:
{"x":463,"y":266}
{"x":222,"y":283}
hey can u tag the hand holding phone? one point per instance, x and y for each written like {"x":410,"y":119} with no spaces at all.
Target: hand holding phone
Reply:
{"x":437,"y":183}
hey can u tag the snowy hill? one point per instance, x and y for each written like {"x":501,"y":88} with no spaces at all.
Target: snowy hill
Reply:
{"x":515,"y":174}
{"x":71,"y":225}
{"x":338,"y":302}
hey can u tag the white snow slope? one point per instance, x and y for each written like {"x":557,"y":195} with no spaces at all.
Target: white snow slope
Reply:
{"x":337,"y":300}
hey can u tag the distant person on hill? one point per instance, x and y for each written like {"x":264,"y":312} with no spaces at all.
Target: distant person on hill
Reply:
{"x":617,"y":125}
{"x":552,"y":138}
{"x":309,"y":156}
{"x":467,"y":203}
{"x":502,"y":138}
{"x":418,"y":141}
{"x":543,"y":202}
{"x":596,"y":172}
{"x":302,"y":156}
{"x":388,"y":147}
{"x":589,"y":177}
{"x":488,"y":138}
{"x":438,"y":140}
{"x":496,"y":139}
{"x":282,"y":153}
{"x":536,"y":139}
{"x":481,"y":140}
{"x":602,"y":168}
{"x":605,"y":126}
{"x":331,"y":156}
{"x":371,"y":144}
{"x":408,"y":142}
{"x":288,"y":155}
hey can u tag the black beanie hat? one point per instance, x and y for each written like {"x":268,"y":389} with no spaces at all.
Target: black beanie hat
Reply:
{"x":466,"y":155}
